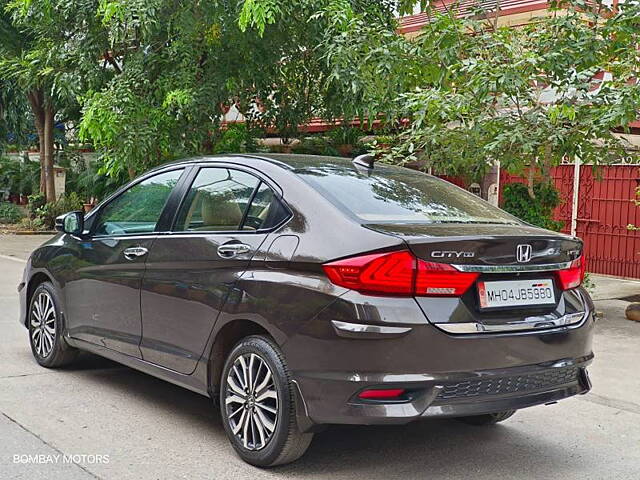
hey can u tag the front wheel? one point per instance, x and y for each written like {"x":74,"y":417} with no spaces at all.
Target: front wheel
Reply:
{"x":257,"y":404}
{"x":48,"y":344}
{"x":488,"y":419}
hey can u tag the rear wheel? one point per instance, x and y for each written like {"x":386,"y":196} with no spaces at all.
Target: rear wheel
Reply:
{"x":48,"y":345}
{"x":488,"y":419}
{"x":257,"y":404}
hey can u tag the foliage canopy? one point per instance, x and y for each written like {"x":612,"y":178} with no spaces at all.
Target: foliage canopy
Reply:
{"x":147,"y":82}
{"x":472,"y":91}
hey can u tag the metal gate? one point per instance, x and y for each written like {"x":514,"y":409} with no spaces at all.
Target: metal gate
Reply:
{"x":600,"y":214}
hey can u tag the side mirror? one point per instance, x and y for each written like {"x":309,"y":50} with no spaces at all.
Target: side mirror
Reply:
{"x":71,"y":223}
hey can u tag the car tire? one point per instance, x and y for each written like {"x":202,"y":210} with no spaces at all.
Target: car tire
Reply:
{"x":258,"y":404}
{"x":488,"y":419}
{"x":46,"y":329}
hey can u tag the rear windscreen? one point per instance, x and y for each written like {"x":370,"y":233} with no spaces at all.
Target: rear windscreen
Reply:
{"x":390,"y":194}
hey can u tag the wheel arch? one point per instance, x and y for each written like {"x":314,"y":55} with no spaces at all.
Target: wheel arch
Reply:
{"x":225,"y":339}
{"x":36,"y":280}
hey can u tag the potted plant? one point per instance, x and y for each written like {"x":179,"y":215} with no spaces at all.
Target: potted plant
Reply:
{"x":344,"y":139}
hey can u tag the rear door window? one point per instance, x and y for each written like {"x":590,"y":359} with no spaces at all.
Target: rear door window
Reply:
{"x":223,"y":199}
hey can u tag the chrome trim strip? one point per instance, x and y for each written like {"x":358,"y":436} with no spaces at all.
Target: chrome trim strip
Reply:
{"x":512,"y":268}
{"x":533,"y":323}
{"x":360,"y":330}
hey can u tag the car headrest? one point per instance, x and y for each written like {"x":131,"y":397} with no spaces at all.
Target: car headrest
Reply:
{"x":220,"y":211}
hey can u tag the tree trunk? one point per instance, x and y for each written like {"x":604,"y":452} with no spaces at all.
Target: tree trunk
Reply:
{"x":49,"y":123}
{"x":36,"y":101}
{"x":43,"y":185}
{"x":530,"y":180}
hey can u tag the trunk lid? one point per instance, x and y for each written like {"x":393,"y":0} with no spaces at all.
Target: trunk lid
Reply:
{"x":485,"y":244}
{"x":493,"y":250}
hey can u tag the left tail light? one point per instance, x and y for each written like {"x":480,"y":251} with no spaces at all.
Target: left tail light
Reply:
{"x":399,"y":273}
{"x":573,"y":276}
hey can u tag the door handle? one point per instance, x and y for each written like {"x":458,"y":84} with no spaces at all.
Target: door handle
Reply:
{"x":134,"y":252}
{"x":231,"y":250}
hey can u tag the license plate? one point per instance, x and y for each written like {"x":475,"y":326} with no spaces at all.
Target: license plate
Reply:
{"x":516,"y":293}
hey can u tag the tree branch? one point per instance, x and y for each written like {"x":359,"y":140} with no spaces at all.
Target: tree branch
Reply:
{"x":112,"y":61}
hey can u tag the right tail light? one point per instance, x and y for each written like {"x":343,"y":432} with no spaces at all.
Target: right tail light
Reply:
{"x":399,"y":273}
{"x":573,"y":276}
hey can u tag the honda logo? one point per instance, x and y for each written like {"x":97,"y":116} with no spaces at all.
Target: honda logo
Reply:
{"x":523,"y":253}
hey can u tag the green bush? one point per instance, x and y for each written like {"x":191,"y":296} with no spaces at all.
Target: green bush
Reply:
{"x":36,"y":201}
{"x":345,"y":136}
{"x":536,"y":211}
{"x":66,"y":203}
{"x":19,"y":177}
{"x":320,"y":145}
{"x":315,"y":146}
{"x":9,"y":213}
{"x":31,"y":224}
{"x":386,"y":139}
{"x":236,"y":139}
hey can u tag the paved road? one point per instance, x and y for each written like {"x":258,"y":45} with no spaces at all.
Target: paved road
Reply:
{"x":150,"y":429}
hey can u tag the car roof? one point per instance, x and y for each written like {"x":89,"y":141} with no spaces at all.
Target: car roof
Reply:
{"x":298,"y":161}
{"x":287,"y":161}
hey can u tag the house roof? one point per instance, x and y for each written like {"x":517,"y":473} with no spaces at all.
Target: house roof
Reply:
{"x":414,"y":23}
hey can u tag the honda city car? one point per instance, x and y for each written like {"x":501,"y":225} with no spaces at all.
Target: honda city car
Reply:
{"x":300,"y":291}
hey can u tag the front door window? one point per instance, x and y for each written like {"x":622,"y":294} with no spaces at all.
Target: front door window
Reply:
{"x":138,"y":209}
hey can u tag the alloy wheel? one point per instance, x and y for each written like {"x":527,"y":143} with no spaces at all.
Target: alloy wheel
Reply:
{"x":43,"y":324}
{"x":251,"y":401}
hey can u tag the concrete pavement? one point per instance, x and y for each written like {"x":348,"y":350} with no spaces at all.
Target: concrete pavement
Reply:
{"x":20,"y":246}
{"x":144,"y":428}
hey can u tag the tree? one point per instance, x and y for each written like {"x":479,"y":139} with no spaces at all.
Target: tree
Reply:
{"x":15,"y":121}
{"x":50,"y":51}
{"x":154,"y":78}
{"x":178,"y":66}
{"x":309,"y":70}
{"x":473,"y":92}
{"x":19,"y":64}
{"x":174,"y":68}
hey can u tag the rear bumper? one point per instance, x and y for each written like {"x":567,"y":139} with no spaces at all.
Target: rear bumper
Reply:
{"x":333,"y":358}
{"x":332,"y":398}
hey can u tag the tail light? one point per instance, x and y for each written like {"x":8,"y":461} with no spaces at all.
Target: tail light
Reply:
{"x":399,"y":273}
{"x":573,"y":276}
{"x":440,"y":279}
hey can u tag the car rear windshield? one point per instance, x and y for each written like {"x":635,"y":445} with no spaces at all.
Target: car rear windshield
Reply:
{"x":390,"y":194}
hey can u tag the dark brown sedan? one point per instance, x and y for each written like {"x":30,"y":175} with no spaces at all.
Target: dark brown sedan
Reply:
{"x":298,"y":291}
